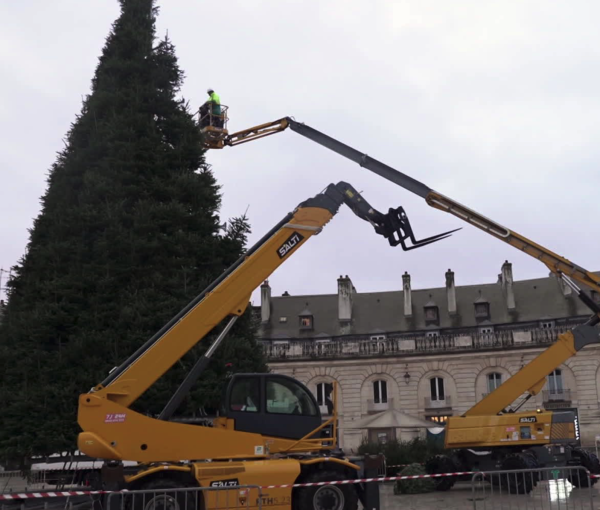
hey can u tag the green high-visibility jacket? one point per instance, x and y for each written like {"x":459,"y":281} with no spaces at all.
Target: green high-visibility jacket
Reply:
{"x":216,"y":103}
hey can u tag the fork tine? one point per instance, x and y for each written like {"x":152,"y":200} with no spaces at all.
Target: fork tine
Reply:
{"x":425,"y":242}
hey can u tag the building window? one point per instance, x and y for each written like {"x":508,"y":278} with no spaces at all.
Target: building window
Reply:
{"x":432,"y":314}
{"x":382,"y":436}
{"x":321,"y":394}
{"x":482,"y":309}
{"x":306,"y":322}
{"x":438,"y":419}
{"x":487,"y":330}
{"x":282,"y":319}
{"x":432,"y":334}
{"x":437,"y":388}
{"x":547,"y":324}
{"x":555,"y":382}
{"x":595,"y":297}
{"x":377,"y":343}
{"x":493,"y":381}
{"x":380,"y":392}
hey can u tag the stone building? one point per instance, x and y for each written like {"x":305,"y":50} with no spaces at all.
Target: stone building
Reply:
{"x":431,"y":353}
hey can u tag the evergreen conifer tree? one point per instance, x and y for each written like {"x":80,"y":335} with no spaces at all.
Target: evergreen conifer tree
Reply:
{"x":129,"y":232}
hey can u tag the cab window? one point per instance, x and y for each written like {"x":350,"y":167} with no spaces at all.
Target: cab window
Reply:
{"x":286,"y":397}
{"x":245,"y":395}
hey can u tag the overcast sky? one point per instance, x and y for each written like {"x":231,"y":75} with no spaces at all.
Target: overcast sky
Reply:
{"x":495,"y":104}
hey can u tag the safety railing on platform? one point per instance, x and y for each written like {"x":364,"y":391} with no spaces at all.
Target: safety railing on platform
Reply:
{"x":208,"y":116}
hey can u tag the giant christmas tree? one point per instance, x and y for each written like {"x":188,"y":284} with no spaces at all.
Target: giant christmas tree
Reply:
{"x":128,"y":233}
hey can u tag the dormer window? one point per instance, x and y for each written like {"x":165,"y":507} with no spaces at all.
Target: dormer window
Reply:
{"x":482,"y":308}
{"x":432,"y":313}
{"x":306,"y":320}
{"x":596,"y":297}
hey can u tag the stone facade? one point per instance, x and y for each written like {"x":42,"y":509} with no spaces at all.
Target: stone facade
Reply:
{"x":430,"y":353}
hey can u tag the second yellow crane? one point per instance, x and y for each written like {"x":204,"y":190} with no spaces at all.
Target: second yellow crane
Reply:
{"x":488,"y":436}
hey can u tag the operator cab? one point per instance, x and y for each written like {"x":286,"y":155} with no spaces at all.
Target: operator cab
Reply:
{"x":213,"y":127}
{"x":271,"y":405}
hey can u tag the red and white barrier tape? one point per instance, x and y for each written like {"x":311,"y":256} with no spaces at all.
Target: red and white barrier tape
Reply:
{"x":368,"y":480}
{"x":57,"y":494}
{"x":63,"y":494}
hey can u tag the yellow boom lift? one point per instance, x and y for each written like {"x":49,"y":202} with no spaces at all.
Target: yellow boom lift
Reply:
{"x":490,"y":435}
{"x":270,"y":430}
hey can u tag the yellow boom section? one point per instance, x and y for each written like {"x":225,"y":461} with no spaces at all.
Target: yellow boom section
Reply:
{"x":557,"y":264}
{"x":253,"y":133}
{"x":230,"y":297}
{"x":530,"y":378}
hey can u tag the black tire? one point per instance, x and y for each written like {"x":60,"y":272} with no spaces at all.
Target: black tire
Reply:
{"x":326,"y":497}
{"x":532,"y":463}
{"x":442,"y":464}
{"x":516,"y":483}
{"x":167,"y":499}
{"x":590,"y":462}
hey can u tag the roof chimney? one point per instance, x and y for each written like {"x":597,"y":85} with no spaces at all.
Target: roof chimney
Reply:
{"x":265,"y":302}
{"x":451,"y":292}
{"x":407,"y":294}
{"x":507,"y":285}
{"x":345,"y":291}
{"x":565,"y":289}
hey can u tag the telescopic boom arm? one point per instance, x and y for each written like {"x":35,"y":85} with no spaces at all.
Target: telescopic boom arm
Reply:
{"x":229,"y":294}
{"x":557,"y":264}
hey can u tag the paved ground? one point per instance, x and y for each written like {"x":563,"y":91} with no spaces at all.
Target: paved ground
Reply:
{"x":557,"y":495}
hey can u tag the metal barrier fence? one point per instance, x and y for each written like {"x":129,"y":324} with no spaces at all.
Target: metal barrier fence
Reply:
{"x":17,"y":481}
{"x":561,"y":488}
{"x":193,"y":498}
{"x":564,"y":488}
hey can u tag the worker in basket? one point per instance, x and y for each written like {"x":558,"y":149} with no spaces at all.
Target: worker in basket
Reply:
{"x":212,"y":105}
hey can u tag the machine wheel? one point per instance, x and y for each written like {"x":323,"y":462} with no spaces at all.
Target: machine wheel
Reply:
{"x":441,"y":464}
{"x":326,"y":497}
{"x":533,"y":463}
{"x":590,"y":462}
{"x":517,"y":483}
{"x":167,"y":500}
